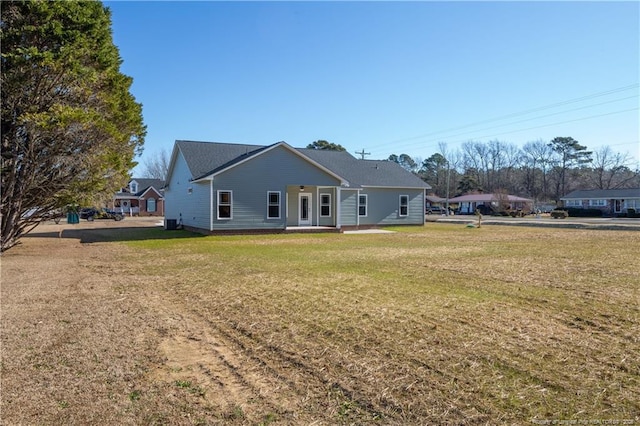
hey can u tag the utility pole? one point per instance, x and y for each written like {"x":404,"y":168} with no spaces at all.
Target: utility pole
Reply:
{"x":448,"y":174}
{"x":362,"y":153}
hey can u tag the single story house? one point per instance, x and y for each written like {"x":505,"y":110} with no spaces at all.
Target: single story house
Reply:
{"x":142,"y":197}
{"x":486,"y":203}
{"x":610,"y":201}
{"x":222,"y":187}
{"x":434,"y":200}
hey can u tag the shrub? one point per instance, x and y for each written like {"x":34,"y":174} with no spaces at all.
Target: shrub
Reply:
{"x":632,"y":213}
{"x":576,"y":212}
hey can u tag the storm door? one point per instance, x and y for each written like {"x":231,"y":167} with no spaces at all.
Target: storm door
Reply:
{"x":304,"y":210}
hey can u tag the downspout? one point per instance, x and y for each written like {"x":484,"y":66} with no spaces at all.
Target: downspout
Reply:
{"x":211,"y":206}
{"x":338,"y":207}
{"x":358,"y":208}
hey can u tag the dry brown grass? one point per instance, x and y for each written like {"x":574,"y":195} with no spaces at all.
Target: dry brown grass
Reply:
{"x":433,"y":325}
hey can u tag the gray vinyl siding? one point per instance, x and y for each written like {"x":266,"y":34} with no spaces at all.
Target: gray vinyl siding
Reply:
{"x":275,"y":170}
{"x":384,"y":206}
{"x":192,"y":207}
{"x":349,"y":207}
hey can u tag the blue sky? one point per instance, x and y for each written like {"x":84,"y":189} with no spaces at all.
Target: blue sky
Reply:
{"x":386,"y":77}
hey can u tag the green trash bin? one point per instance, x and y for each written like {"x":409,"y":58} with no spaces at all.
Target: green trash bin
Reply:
{"x":73,"y":218}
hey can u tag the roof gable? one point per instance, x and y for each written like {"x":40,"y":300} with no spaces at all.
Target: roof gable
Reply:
{"x":144,"y":184}
{"x":284,"y":145}
{"x":150,"y":189}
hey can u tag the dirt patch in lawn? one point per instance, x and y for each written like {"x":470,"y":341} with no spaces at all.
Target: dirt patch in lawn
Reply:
{"x":88,"y":340}
{"x":123,"y":323}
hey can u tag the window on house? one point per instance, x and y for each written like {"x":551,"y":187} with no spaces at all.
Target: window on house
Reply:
{"x":573,"y":203}
{"x":598,"y":203}
{"x":325,"y":205}
{"x":273,"y":205}
{"x":151,"y":205}
{"x":133,"y":187}
{"x":404,"y":205}
{"x":362,"y":205}
{"x":225,"y":204}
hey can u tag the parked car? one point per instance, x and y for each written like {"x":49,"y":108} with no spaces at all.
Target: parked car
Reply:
{"x":435,"y":210}
{"x":88,"y":211}
{"x":92,"y":213}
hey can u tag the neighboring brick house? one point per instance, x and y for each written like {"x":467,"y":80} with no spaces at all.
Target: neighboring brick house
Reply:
{"x":143,"y":197}
{"x":610,"y":201}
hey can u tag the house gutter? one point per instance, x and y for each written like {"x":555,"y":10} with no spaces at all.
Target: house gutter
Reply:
{"x":211,"y":205}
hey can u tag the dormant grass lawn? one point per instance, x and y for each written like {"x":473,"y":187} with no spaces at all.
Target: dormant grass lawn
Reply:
{"x":439,"y":324}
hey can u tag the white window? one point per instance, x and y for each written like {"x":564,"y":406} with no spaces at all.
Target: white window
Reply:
{"x":598,"y":203}
{"x":225,"y":204}
{"x":325,"y":205}
{"x":151,"y":205}
{"x":273,"y":205}
{"x":362,"y":205}
{"x":404,"y":205}
{"x":133,"y":186}
{"x":573,"y":203}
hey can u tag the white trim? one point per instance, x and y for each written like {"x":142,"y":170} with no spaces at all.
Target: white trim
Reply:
{"x":400,"y":205}
{"x":230,"y":204}
{"x":366,"y":205}
{"x":149,"y":189}
{"x":211,"y":204}
{"x":279,"y":204}
{"x":155,"y":205}
{"x":325,"y":194}
{"x":309,"y":220}
{"x":338,"y":206}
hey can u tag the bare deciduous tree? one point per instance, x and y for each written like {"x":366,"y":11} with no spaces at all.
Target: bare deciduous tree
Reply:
{"x":156,"y":166}
{"x":610,"y":169}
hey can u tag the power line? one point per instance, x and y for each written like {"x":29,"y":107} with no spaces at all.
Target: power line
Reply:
{"x":561,"y":122}
{"x":434,"y":141}
{"x":537,"y":118}
{"x":529,"y":111}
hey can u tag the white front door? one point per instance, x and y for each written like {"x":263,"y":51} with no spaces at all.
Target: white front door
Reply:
{"x":304,"y":210}
{"x":617,"y":206}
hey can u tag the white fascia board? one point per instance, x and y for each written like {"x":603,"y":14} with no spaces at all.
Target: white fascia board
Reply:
{"x":151,"y":188}
{"x":202,"y":179}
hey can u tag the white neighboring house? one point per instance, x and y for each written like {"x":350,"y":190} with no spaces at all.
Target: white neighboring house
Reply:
{"x":487,"y":203}
{"x":611,"y":201}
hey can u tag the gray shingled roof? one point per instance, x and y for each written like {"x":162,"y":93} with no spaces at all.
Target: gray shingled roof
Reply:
{"x":365,"y":172}
{"x":144,"y":184}
{"x":205,"y":158}
{"x":585,"y":194}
